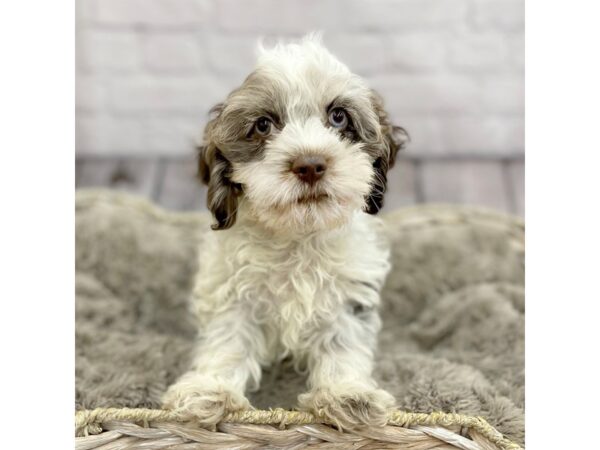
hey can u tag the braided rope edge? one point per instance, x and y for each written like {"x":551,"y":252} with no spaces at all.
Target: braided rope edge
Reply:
{"x":88,"y":422}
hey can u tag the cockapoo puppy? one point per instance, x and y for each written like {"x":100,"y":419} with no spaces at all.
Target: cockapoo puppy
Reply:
{"x":295,"y":160}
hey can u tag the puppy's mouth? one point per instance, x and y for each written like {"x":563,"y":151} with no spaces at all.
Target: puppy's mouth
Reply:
{"x":312,"y":198}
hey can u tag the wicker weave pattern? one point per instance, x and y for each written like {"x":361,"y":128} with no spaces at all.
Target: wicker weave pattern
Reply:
{"x":114,"y":428}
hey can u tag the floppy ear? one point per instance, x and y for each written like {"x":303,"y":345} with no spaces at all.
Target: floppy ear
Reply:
{"x":393,"y":139}
{"x":215,"y":171}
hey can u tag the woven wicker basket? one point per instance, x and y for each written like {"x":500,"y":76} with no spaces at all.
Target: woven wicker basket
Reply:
{"x":114,"y":428}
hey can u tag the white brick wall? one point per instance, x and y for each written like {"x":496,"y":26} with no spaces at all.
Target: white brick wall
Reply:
{"x":173,"y":14}
{"x":451,"y":71}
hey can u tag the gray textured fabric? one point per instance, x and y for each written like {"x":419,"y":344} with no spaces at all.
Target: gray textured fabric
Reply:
{"x":453,"y":309}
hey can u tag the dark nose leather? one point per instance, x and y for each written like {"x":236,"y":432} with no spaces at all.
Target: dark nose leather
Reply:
{"x":309,"y":169}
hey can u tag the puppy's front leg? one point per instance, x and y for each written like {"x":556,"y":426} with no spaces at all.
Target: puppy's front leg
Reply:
{"x":228,"y":357}
{"x":340,"y":363}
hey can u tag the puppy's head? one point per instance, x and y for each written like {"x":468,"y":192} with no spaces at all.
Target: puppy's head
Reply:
{"x":302,"y":142}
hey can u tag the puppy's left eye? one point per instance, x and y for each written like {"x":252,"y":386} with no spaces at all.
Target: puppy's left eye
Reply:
{"x":338,"y":118}
{"x":263,"y":126}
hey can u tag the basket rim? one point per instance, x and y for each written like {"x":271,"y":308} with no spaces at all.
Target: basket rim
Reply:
{"x":88,"y":421}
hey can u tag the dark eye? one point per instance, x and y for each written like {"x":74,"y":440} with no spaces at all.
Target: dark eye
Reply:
{"x":263,"y":126}
{"x":338,"y":118}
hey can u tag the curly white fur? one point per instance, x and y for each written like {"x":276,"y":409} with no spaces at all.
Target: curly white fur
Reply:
{"x":293,"y":278}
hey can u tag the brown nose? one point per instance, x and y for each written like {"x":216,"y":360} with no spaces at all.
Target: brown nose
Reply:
{"x":309,"y":169}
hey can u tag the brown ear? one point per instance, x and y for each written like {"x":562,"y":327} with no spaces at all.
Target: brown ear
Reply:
{"x":215,"y":171}
{"x":393,"y":139}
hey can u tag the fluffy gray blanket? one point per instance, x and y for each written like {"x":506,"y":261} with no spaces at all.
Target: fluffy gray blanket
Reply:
{"x":453,"y":309}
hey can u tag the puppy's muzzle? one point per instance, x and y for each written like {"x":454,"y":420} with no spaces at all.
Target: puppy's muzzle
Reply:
{"x":309,"y":169}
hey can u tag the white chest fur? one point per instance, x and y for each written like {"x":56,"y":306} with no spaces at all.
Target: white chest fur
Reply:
{"x":291,"y":287}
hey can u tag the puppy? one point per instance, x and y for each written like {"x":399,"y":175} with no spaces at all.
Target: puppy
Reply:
{"x":295,"y":161}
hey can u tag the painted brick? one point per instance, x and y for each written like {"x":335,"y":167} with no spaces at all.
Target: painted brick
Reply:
{"x":398,"y":15}
{"x":483,"y":135}
{"x":424,"y":132}
{"x":231,"y":54}
{"x":84,"y":11}
{"x":421,"y":52}
{"x":171,"y":52}
{"x":148,"y":95}
{"x":105,"y":135}
{"x":362,"y":53}
{"x":90,"y":94}
{"x":451,"y":72}
{"x":504,"y":95}
{"x":167,"y":136}
{"x":474,"y":52}
{"x":108,"y":51}
{"x":508,"y":15}
{"x":438,"y":94}
{"x":159,"y":13}
{"x":463,"y":135}
{"x":516,"y":45}
{"x":275,"y":16}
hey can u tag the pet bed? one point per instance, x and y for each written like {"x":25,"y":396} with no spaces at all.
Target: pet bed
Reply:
{"x":451,"y":349}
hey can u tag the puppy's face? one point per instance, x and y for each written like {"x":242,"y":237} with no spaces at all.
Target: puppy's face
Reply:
{"x":303,"y":143}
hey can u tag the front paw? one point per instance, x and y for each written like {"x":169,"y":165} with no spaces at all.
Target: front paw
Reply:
{"x":349,"y":407}
{"x":203,"y":400}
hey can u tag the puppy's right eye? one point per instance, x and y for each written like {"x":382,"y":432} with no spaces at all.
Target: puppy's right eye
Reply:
{"x":338,"y":118}
{"x":263,"y":126}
